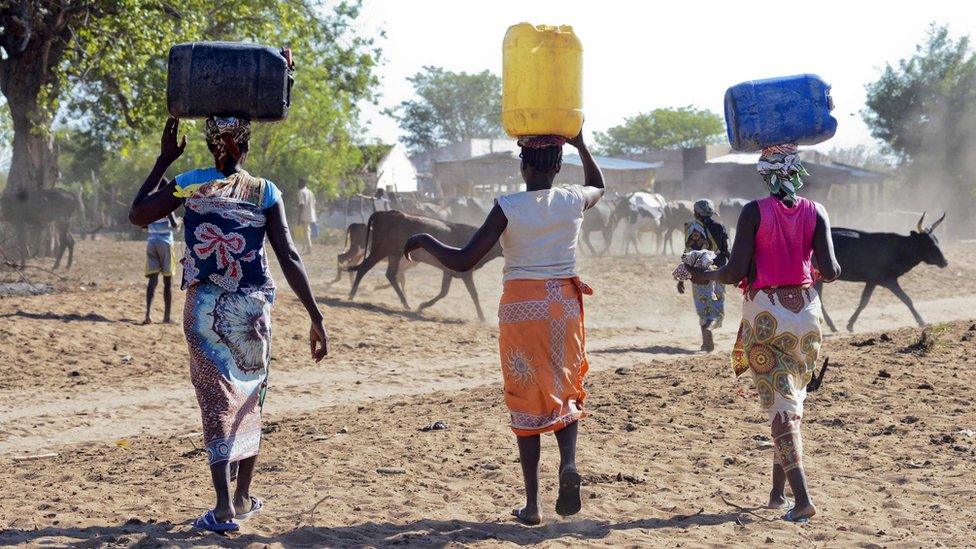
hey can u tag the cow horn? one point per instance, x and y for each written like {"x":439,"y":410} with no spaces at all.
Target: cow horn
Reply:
{"x":937,"y":223}
{"x":921,"y":229}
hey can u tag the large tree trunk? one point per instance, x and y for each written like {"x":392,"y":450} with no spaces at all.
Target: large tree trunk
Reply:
{"x":34,"y":37}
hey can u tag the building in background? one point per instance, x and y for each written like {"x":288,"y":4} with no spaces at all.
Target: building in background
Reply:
{"x":498,"y":173}
{"x":463,"y":150}
{"x":389,"y":168}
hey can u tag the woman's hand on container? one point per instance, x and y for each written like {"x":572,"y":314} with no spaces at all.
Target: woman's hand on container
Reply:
{"x":169,"y":148}
{"x":578,"y":140}
{"x":318,"y":338}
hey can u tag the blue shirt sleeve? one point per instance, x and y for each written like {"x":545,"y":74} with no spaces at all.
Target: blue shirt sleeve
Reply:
{"x":272,"y":195}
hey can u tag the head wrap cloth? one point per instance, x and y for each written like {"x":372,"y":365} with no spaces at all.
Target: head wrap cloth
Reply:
{"x":704,"y":208}
{"x":226,"y":134}
{"x":541,"y":141}
{"x":781,"y":169}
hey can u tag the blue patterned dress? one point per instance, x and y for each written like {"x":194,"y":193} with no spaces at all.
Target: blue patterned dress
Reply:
{"x":227,"y":317}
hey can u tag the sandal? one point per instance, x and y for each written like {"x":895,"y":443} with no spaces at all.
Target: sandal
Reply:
{"x":256,"y":505}
{"x":208,"y":521}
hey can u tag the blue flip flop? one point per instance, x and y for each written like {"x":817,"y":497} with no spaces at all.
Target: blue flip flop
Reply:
{"x":788,"y":517}
{"x":209,"y":522}
{"x":256,"y":505}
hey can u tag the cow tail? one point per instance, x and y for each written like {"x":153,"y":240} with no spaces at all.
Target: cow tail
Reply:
{"x":369,"y":231}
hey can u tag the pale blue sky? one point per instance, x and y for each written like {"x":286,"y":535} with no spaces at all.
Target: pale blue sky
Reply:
{"x":639,"y":55}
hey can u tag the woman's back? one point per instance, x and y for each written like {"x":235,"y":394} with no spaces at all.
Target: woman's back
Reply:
{"x":543,"y":229}
{"x":784,"y":243}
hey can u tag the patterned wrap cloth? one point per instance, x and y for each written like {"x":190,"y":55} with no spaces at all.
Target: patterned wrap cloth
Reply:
{"x":542,"y":343}
{"x":780,"y":168}
{"x":779,"y":342}
{"x":227,"y":317}
{"x":701,"y":247}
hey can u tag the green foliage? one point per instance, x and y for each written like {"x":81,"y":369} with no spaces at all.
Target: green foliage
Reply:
{"x":667,"y":128}
{"x":924,"y":108}
{"x":450,"y":107}
{"x":110,"y":88}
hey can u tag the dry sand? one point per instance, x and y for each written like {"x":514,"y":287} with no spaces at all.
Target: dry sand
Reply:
{"x":674,"y":454}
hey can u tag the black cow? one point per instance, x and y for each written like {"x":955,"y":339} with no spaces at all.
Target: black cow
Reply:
{"x":878,"y":259}
{"x":598,"y":219}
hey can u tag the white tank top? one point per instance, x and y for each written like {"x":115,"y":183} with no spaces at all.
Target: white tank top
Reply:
{"x":543,"y":229}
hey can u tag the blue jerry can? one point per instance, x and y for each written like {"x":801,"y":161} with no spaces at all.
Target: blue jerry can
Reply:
{"x":788,"y":109}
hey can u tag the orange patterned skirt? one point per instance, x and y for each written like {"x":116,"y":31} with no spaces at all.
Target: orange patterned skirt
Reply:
{"x":542,"y":343}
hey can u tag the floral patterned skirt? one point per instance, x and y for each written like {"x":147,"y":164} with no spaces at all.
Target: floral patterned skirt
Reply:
{"x":709,"y":303}
{"x":779,"y":342}
{"x":542,"y":343}
{"x":229,"y":338}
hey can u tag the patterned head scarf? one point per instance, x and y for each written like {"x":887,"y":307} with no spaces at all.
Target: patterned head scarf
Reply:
{"x":780,"y":168}
{"x":541,"y":141}
{"x":227,"y":134}
{"x":704,"y":208}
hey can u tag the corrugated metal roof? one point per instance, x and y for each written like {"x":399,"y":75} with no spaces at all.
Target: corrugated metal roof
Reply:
{"x":610,"y":163}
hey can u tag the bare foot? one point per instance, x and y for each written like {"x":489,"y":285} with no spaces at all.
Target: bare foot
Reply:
{"x":527,"y":516}
{"x":778,"y":501}
{"x":167,"y":321}
{"x":147,"y":321}
{"x":801,"y":514}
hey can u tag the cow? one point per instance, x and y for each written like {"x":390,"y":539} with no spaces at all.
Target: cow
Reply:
{"x":676,"y":214}
{"x":731,"y":208}
{"x":468,"y":210}
{"x":386,"y":234}
{"x":879,"y":259}
{"x":34,"y":210}
{"x":598,"y":219}
{"x":354,"y":253}
{"x":641,"y":212}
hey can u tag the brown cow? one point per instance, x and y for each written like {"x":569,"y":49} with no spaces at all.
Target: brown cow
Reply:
{"x":354,"y":254}
{"x":386,"y":234}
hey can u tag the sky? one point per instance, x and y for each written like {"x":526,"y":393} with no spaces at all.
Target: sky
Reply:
{"x":641,"y":55}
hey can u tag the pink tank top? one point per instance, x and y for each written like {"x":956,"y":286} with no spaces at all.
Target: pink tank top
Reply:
{"x":784,"y":243}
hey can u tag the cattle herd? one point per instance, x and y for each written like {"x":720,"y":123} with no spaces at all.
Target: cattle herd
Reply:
{"x":876,"y":259}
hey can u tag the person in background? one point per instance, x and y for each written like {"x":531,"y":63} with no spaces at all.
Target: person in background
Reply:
{"x":777,"y":240}
{"x":704,"y":233}
{"x":542,"y":340}
{"x":229,"y":293}
{"x":306,"y":216}
{"x":159,"y":261}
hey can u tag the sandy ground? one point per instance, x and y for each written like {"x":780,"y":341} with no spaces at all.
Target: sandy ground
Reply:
{"x":675,"y":453}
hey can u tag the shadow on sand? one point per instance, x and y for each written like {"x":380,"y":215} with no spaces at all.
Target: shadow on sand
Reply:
{"x":653,"y":349}
{"x":68,"y":317}
{"x":429,"y":533}
{"x":383,"y":309}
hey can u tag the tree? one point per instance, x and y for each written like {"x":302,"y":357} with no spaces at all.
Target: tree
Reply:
{"x":450,"y":107}
{"x":102,"y":64}
{"x":862,"y":156}
{"x":924,"y":110}
{"x":668,"y":128}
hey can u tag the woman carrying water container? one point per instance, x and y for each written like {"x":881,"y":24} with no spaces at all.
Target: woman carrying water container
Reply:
{"x":540,"y":317}
{"x":229,"y":293}
{"x":782,"y":245}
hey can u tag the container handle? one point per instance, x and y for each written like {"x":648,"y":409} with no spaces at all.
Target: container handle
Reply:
{"x":830,"y":99}
{"x":290,"y":62}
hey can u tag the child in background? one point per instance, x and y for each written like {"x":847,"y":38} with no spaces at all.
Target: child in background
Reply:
{"x":159,"y":261}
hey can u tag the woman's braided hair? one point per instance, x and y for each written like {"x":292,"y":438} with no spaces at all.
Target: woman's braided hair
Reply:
{"x":544,"y":159}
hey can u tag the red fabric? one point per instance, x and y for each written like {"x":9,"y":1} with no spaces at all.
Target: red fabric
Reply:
{"x":784,"y":243}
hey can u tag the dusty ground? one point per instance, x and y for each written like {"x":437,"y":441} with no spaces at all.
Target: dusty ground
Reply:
{"x":673,"y":447}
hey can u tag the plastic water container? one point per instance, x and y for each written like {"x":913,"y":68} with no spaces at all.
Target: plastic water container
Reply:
{"x":230,"y":79}
{"x":542,"y":81}
{"x":789,"y":109}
